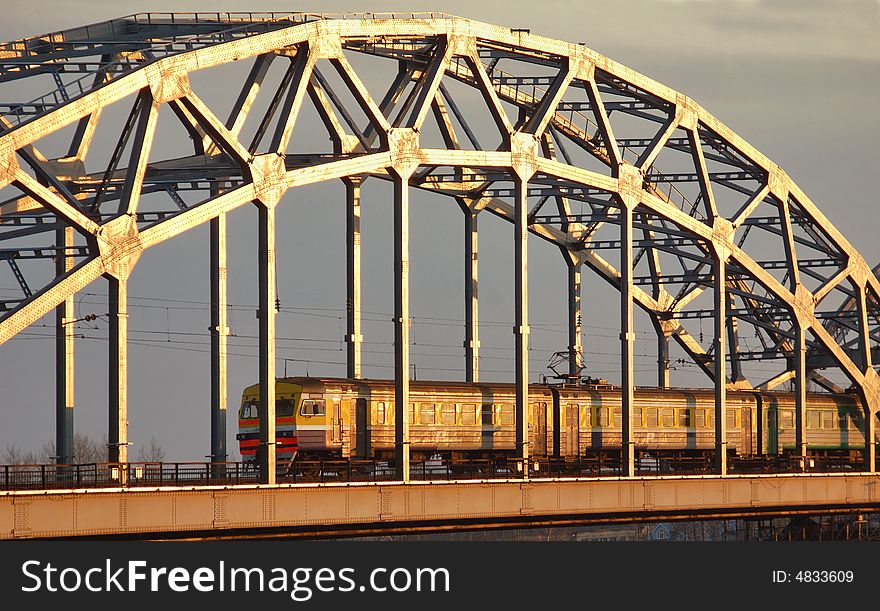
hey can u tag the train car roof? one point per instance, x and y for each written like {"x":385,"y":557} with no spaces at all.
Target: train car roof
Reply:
{"x":316,"y":384}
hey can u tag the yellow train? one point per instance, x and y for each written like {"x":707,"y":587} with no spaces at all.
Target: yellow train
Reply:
{"x":347,"y":418}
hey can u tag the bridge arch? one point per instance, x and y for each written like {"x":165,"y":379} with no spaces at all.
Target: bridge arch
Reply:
{"x":584,"y":152}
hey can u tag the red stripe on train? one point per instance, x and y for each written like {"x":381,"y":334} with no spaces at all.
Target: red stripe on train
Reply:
{"x":248,"y":447}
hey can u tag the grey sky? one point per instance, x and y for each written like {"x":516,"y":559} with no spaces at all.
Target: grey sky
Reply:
{"x":799,"y":79}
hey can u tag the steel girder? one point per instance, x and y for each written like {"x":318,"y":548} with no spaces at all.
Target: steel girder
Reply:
{"x":577,"y":149}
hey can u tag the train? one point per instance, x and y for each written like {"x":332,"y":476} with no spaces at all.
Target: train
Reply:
{"x":329,"y":418}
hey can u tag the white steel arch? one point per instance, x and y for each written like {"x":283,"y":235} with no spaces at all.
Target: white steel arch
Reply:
{"x":587,"y":146}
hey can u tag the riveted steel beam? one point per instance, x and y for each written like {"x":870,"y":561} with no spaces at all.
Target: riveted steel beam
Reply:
{"x":720,"y":359}
{"x":117,"y":436}
{"x":471,"y":295}
{"x":219,"y":332}
{"x":575,"y":314}
{"x":403,"y":411}
{"x":65,"y":316}
{"x":521,"y":320}
{"x":627,"y":342}
{"x":353,"y":337}
{"x":266,"y":313}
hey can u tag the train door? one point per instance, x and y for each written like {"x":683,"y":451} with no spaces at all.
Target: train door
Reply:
{"x":336,"y":423}
{"x":360,"y":425}
{"x":345,"y":425}
{"x":572,"y":420}
{"x":746,"y":429}
{"x":556,"y":423}
{"x":759,"y":426}
{"x":771,"y":413}
{"x":540,"y":414}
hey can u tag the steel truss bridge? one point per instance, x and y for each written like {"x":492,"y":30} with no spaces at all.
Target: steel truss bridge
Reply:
{"x":626,"y":176}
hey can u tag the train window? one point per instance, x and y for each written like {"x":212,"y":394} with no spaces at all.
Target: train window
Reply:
{"x":468,"y":414}
{"x":447,"y":413}
{"x":813,"y":418}
{"x":786,"y":420}
{"x":312,"y":407}
{"x":412,"y":413}
{"x":283,"y":408}
{"x":827,"y":419}
{"x":602,"y":416}
{"x":508,"y":416}
{"x":426,"y":413}
{"x":618,"y":416}
{"x":653,"y":416}
{"x":684,"y":418}
{"x":380,"y":412}
{"x":731,"y":418}
{"x":637,"y":416}
{"x":588,"y":416}
{"x":568,"y":417}
{"x":249,"y":410}
{"x":699,"y":418}
{"x":667,"y":416}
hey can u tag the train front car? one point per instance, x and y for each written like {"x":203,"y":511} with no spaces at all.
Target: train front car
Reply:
{"x":311,"y":419}
{"x":288,"y":397}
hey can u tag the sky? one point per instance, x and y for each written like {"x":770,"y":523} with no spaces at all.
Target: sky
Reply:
{"x":798,"y":79}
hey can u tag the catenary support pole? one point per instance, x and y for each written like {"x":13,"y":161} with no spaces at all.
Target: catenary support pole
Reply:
{"x":267,"y":290}
{"x":521,"y":320}
{"x":118,"y":374}
{"x":471,"y":299}
{"x":800,"y":391}
{"x":627,"y":341}
{"x":575,"y":348}
{"x":219,"y":333}
{"x":720,"y":366}
{"x":353,"y":337}
{"x":64,"y":357}
{"x":401,"y":324}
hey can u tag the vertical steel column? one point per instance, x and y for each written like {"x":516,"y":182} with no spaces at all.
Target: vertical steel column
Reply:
{"x":662,"y":357}
{"x":471,"y":299}
{"x":267,"y":341}
{"x":64,"y":361}
{"x":736,"y":374}
{"x":870,"y":455}
{"x":353,"y":337}
{"x":118,"y":373}
{"x":219,"y":332}
{"x":720,"y":365}
{"x":627,"y":340}
{"x":800,"y":390}
{"x":401,"y":324}
{"x":575,"y":348}
{"x":521,"y":319}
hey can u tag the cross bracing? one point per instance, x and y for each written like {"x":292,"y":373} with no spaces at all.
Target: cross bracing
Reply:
{"x":627,"y":177}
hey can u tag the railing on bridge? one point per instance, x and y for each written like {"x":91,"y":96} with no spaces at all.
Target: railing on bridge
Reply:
{"x":158,"y":474}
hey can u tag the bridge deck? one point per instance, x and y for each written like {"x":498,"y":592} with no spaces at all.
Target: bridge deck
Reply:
{"x":382,"y":507}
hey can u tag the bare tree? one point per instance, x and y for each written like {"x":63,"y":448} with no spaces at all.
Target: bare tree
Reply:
{"x":86,"y":450}
{"x":13,"y":455}
{"x":152,"y":453}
